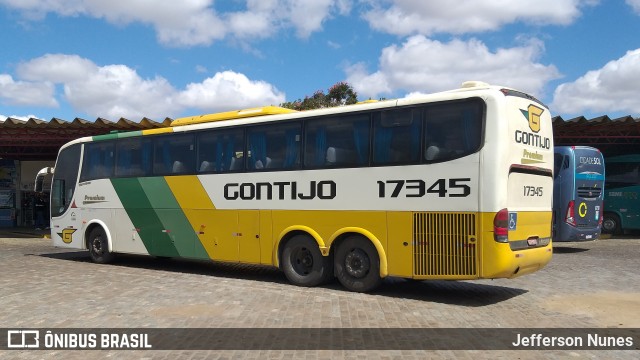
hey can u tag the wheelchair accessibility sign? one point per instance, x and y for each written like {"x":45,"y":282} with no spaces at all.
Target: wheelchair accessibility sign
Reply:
{"x":513,"y":221}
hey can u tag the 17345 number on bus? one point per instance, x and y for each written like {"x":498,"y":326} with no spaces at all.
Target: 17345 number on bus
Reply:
{"x":418,"y":188}
{"x":532,"y":190}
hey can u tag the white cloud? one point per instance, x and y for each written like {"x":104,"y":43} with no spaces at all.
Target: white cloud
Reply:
{"x":57,"y":68}
{"x":26,"y":93}
{"x":365,"y":84}
{"x":111,"y":91}
{"x":307,"y":16}
{"x":635,"y":4}
{"x":405,"y":17}
{"x":195,"y":22}
{"x":229,"y":90}
{"x":115,"y":91}
{"x":424,"y":65}
{"x":263,"y":18}
{"x":613,"y":88}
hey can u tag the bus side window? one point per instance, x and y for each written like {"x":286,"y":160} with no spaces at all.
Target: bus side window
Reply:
{"x":220,"y":151}
{"x":565,"y":162}
{"x":174,"y":155}
{"x":453,"y":130}
{"x":557,"y":163}
{"x":338,"y":141}
{"x":274,"y":146}
{"x":99,"y":161}
{"x":621,"y":174}
{"x":396,"y":137}
{"x":133,"y":157}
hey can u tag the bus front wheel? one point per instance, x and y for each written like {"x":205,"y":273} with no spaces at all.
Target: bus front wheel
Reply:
{"x":99,"y":246}
{"x":357,"y":264}
{"x":611,"y":224}
{"x":303,"y":264}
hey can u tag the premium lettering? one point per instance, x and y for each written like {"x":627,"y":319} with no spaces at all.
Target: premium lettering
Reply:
{"x":94,"y":198}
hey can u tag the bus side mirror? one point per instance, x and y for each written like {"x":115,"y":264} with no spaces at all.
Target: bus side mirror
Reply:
{"x":40,"y":178}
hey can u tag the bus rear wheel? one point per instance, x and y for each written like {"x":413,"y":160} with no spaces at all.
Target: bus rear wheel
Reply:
{"x":99,"y":246}
{"x":611,"y":224}
{"x":303,"y":264}
{"x":357,"y":264}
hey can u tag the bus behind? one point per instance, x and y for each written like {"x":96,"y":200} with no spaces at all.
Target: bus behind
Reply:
{"x":578,"y":193}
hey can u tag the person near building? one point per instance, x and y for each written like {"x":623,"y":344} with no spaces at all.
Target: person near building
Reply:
{"x":40,"y":206}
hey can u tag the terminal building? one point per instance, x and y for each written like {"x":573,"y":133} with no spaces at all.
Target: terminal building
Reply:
{"x":28,"y":146}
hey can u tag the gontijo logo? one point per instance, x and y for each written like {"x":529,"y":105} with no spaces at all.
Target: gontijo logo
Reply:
{"x":66,"y":235}
{"x":533,"y":114}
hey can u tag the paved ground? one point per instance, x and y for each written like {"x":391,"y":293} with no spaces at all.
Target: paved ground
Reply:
{"x":587,"y":285}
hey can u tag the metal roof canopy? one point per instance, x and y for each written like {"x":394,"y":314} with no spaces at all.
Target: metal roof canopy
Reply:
{"x":37,"y":139}
{"x":612,"y":136}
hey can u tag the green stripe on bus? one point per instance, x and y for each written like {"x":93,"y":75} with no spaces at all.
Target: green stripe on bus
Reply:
{"x":110,"y":136}
{"x":117,"y":135}
{"x":144,"y":217}
{"x":175,"y":222}
{"x":129,"y":134}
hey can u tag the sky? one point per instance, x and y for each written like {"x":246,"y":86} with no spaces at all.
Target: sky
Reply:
{"x":132,"y":59}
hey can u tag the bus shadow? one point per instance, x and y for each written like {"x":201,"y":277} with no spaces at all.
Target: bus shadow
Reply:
{"x":460,"y":293}
{"x":567,"y":250}
{"x":188,"y":266}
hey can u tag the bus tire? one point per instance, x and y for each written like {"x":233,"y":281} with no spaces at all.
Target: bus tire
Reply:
{"x":611,"y":224}
{"x":99,"y":246}
{"x":303,"y":264}
{"x":357,"y":264}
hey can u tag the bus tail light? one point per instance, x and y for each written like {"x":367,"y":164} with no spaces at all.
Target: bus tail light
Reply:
{"x":501,"y":226}
{"x":600,"y":216}
{"x":570,"y":217}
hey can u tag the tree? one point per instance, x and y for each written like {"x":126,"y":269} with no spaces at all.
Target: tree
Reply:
{"x":338,"y":95}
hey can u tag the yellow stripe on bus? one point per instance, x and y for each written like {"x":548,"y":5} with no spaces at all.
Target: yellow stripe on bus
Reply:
{"x":196,"y":206}
{"x":157,"y":131}
{"x":234,"y":114}
{"x":189,"y":192}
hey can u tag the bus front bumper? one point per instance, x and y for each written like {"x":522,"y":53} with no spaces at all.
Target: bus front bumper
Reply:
{"x":577,"y":234}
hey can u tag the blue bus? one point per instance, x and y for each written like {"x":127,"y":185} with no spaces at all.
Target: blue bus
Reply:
{"x":622,"y":203}
{"x":578,"y":193}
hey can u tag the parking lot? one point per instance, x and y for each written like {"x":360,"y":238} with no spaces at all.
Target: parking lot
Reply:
{"x":586,"y":285}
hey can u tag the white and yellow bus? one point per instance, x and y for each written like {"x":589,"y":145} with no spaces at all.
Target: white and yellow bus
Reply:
{"x":453,"y":185}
